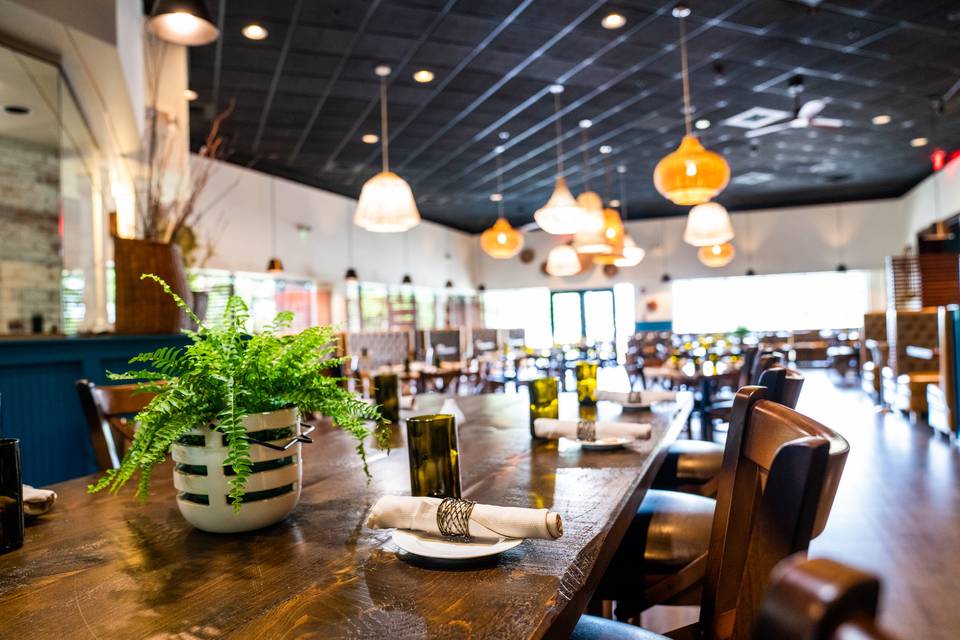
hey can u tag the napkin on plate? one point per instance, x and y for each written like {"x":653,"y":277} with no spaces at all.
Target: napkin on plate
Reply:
{"x":553,"y":429}
{"x":637,"y":397}
{"x":408,"y":402}
{"x":486,"y":521}
{"x":37,"y":501}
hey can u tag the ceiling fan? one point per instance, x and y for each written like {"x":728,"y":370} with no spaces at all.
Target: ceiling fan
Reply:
{"x":805,"y":116}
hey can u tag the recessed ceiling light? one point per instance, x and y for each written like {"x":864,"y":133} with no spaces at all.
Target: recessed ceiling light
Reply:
{"x":16,"y":109}
{"x":499,"y":148}
{"x":254,"y":31}
{"x":370,"y":138}
{"x":702,"y":124}
{"x":614,"y":203}
{"x":605,"y":149}
{"x":586,"y":124}
{"x":504,"y":135}
{"x":423,"y":76}
{"x":556,"y":88}
{"x":496,"y":197}
{"x":613,"y":21}
{"x":918,"y":142}
{"x":681,"y":11}
{"x":881,"y":119}
{"x":190,"y":95}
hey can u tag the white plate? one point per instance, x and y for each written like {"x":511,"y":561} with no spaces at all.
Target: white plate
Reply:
{"x":606,"y":444}
{"x":636,"y":406}
{"x":427,"y":546}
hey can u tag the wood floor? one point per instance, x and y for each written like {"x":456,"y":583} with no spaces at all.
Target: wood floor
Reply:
{"x":897,"y":513}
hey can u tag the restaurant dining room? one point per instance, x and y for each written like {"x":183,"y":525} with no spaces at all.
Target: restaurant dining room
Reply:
{"x":479,"y":319}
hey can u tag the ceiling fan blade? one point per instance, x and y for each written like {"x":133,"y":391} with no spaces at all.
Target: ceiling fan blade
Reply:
{"x":810,"y":109}
{"x":826,"y":123}
{"x":773,"y":128}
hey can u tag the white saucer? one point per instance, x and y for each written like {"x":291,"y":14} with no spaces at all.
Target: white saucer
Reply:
{"x":605,"y":444}
{"x":427,"y":546}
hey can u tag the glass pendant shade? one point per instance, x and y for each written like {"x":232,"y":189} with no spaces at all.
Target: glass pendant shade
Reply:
{"x":591,"y":239}
{"x":632,"y":254}
{"x":274,"y":265}
{"x":351,"y":275}
{"x":707,"y":225}
{"x":716,"y":256}
{"x":501,"y":241}
{"x":185,"y":22}
{"x":563,"y":261}
{"x":691,"y":175}
{"x":386,"y":205}
{"x":561,"y":215}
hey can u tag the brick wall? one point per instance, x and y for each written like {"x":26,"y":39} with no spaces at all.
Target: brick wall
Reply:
{"x":30,"y":260}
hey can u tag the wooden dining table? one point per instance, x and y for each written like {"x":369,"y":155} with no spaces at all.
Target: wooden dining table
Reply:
{"x":104,"y":566}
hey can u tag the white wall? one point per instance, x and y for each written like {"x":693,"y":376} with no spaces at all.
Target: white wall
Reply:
{"x":923,"y":205}
{"x":244,"y":237}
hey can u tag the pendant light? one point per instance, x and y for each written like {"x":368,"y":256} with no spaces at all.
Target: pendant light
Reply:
{"x":406,"y":283}
{"x":665,"y":278}
{"x":708,"y":224}
{"x":501,"y":241}
{"x":750,"y":270}
{"x":386,"y":203}
{"x":716,"y":256}
{"x":274,"y":265}
{"x":185,"y":22}
{"x":591,"y":239}
{"x":630,"y":255}
{"x":561,"y":215}
{"x":563,"y":261}
{"x":350,"y":277}
{"x":841,"y":266}
{"x":690,"y":175}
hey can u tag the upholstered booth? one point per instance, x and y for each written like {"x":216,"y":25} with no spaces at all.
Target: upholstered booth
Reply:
{"x":942,"y":396}
{"x":445,"y":345}
{"x":808,"y":347}
{"x":383,"y":348}
{"x":873,"y":351}
{"x":905,"y":378}
{"x":484,"y":341}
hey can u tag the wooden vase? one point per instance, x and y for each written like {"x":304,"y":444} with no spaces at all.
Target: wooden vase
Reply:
{"x":142,"y":307}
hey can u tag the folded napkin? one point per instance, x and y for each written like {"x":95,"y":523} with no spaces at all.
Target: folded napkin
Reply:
{"x":37,"y":501}
{"x":450,"y":407}
{"x":408,"y":402}
{"x":486,"y":521}
{"x":637,"y":397}
{"x":553,"y":429}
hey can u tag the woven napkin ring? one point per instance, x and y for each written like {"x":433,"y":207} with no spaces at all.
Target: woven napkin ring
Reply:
{"x":635,"y":397}
{"x":587,"y":430}
{"x":453,"y":517}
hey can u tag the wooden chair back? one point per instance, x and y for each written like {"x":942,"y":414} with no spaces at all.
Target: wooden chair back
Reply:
{"x":820,"y":600}
{"x":107,"y":409}
{"x":765,"y":360}
{"x":746,"y":366}
{"x":775,"y":490}
{"x":783,"y":385}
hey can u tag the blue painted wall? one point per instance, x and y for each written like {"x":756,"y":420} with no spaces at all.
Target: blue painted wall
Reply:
{"x":39,"y":404}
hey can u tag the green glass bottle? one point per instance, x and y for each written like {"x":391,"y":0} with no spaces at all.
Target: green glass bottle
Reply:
{"x":434,"y":456}
{"x":386,"y":393}
{"x":587,"y":383}
{"x":544,"y":400}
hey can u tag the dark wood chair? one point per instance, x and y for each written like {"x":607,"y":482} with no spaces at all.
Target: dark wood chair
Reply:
{"x":820,"y":600}
{"x":720,"y":411}
{"x":693,"y":465}
{"x":776,"y":488}
{"x":108,"y":409}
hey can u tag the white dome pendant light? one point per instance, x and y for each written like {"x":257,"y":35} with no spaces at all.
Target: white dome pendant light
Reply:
{"x":591,"y":239}
{"x":561,"y":215}
{"x":386,"y":203}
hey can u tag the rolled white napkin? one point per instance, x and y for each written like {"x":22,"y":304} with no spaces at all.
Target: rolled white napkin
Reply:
{"x":450,"y":407}
{"x":553,"y":429}
{"x":408,"y":402}
{"x":37,"y":501}
{"x":637,"y":397}
{"x":486,"y":521}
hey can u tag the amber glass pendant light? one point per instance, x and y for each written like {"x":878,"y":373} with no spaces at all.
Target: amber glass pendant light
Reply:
{"x":690,"y":175}
{"x":501,"y":241}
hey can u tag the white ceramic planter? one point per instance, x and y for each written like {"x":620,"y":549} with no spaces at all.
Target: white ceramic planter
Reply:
{"x":273,"y":489}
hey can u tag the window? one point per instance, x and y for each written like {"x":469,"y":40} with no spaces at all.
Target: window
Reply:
{"x":781,"y":302}
{"x":527,"y":309}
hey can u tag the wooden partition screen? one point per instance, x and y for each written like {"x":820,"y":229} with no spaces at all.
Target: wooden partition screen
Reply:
{"x":939,"y":279}
{"x":903,"y":283}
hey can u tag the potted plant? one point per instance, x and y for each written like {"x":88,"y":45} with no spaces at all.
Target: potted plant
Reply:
{"x":228,"y":407}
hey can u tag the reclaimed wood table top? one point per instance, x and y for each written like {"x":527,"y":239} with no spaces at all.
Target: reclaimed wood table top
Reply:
{"x":101,"y":566}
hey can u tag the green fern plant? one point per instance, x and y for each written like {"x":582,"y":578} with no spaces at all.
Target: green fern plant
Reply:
{"x":226,"y":373}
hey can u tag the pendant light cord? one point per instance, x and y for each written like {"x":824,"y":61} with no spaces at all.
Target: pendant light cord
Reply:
{"x":499,"y":186}
{"x":623,"y":196}
{"x":559,"y":129}
{"x":685,"y":75}
{"x":749,"y":242}
{"x":273,"y":215}
{"x":584,"y":142}
{"x":839,"y":235}
{"x":383,"y":124}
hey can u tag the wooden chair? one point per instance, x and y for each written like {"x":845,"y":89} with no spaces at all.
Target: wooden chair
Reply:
{"x":107,"y":409}
{"x":820,"y":600}
{"x":776,"y":488}
{"x":720,"y":411}
{"x":807,"y":600}
{"x":693,"y":465}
